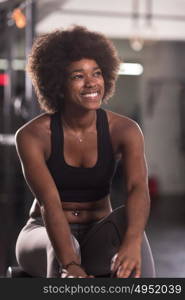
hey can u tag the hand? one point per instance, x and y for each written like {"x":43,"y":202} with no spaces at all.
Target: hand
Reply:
{"x":74,"y":271}
{"x":127,"y":261}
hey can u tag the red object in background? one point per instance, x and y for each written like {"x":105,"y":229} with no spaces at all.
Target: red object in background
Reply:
{"x":153,"y":187}
{"x":4,"y":79}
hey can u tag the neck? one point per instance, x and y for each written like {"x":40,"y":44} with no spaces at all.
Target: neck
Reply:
{"x":79,"y":120}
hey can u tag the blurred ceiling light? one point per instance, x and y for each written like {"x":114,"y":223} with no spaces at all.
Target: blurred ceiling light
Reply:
{"x":7,"y":139}
{"x":1,"y":1}
{"x":3,"y":64}
{"x":125,"y":68}
{"x":136,"y":43}
{"x":19,"y":18}
{"x":17,"y":64}
{"x":131,"y":69}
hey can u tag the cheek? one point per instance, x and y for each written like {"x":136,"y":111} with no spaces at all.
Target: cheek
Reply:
{"x":72,"y":88}
{"x":75,"y":86}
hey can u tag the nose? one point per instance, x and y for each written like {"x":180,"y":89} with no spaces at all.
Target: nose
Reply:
{"x":90,"y":82}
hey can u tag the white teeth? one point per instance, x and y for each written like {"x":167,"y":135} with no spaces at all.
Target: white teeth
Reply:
{"x":90,"y":95}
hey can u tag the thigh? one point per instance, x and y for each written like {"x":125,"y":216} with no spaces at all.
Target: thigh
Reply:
{"x":35,"y":253}
{"x":31,"y":248}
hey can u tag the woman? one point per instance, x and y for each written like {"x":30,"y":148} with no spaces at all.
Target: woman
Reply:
{"x":68,"y":156}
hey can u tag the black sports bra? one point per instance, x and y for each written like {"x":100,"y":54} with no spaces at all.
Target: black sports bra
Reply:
{"x":81,"y":184}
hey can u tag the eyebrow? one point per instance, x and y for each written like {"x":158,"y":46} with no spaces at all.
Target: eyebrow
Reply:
{"x":82,"y":70}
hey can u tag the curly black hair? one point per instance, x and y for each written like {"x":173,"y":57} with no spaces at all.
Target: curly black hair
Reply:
{"x":53,"y":52}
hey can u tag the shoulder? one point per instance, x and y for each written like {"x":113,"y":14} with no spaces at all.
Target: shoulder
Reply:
{"x":123,"y":128}
{"x":37,"y":127}
{"x":33,"y":135}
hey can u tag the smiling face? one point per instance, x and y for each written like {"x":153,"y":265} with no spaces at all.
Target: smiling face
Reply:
{"x":85,"y":84}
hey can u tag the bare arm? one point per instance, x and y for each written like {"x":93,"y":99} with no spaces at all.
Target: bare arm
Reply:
{"x":38,"y":178}
{"x":137,"y":204}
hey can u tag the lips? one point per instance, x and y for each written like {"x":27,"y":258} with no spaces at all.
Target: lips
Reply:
{"x":90,"y":95}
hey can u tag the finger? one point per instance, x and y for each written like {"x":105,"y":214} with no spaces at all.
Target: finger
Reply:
{"x":129,"y":270}
{"x":124,"y":273}
{"x":64,"y":275}
{"x":64,"y":272}
{"x":113,"y":260}
{"x":125,"y":270}
{"x":116,"y":263}
{"x":137,"y":272}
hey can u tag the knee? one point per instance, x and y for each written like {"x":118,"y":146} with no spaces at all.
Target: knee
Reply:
{"x":20,"y":251}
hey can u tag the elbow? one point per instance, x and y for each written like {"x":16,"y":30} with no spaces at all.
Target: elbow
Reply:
{"x":140,"y":185}
{"x":141,"y":190}
{"x":48,"y":207}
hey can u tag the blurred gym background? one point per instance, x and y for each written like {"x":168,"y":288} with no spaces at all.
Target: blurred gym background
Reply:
{"x":150,"y":38}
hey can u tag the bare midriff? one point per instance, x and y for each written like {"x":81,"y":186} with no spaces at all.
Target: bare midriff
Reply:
{"x":75,"y":212}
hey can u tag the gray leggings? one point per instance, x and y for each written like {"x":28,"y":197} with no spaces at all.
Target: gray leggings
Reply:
{"x":95,"y":243}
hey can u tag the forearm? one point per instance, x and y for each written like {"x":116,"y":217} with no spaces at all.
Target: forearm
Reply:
{"x":59,"y":233}
{"x":128,"y":257}
{"x":137,"y":211}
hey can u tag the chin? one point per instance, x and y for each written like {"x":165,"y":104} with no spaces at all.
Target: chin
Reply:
{"x":93,"y":106}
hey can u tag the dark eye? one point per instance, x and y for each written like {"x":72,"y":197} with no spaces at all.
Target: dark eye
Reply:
{"x":98,"y":73}
{"x":76,"y":76}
